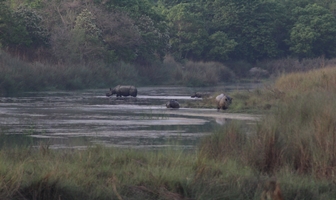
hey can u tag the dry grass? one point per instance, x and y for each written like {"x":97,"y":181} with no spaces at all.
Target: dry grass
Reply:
{"x":311,"y":81}
{"x":197,"y":73}
{"x":298,"y":134}
{"x":17,"y":76}
{"x":291,"y":65}
{"x":296,"y":138}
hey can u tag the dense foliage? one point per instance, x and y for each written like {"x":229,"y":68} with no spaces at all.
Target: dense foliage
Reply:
{"x":143,"y":32}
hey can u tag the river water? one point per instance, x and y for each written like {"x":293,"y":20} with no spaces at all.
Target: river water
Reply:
{"x":78,"y":119}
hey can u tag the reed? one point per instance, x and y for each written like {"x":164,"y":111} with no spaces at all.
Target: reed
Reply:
{"x":311,"y":81}
{"x":18,"y":76}
{"x":196,"y":73}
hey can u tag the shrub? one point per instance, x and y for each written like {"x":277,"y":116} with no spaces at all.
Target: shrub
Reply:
{"x":205,"y":73}
{"x":239,"y":68}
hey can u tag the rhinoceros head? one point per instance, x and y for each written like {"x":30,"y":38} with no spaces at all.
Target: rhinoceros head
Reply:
{"x":111,"y":92}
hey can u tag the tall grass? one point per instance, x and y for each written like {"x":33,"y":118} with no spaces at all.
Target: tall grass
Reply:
{"x":17,"y":76}
{"x":290,"y":65}
{"x":285,"y":88}
{"x":298,"y":136}
{"x":107,"y":173}
{"x":198,"y":73}
{"x":310,"y":81}
{"x":104,"y":173}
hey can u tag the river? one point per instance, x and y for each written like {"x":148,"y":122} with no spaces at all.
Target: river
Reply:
{"x":78,"y":119}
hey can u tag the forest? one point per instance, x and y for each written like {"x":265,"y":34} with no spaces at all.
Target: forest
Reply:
{"x":132,"y":39}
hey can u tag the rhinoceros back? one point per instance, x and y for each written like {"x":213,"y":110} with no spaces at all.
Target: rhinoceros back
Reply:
{"x":223,"y":101}
{"x":172,"y":104}
{"x":126,"y":90}
{"x":219,"y":97}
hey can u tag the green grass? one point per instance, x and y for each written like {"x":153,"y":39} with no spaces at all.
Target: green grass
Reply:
{"x":108,"y":173}
{"x":104,"y":173}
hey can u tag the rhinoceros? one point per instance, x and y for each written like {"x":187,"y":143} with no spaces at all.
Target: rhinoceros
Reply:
{"x":123,"y":90}
{"x":172,"y":104}
{"x":223,"y":101}
{"x":200,"y":95}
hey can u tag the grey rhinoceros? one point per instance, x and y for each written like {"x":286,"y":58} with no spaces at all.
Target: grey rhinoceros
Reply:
{"x":172,"y":104}
{"x":200,"y":95}
{"x":123,"y":90}
{"x":223,"y":101}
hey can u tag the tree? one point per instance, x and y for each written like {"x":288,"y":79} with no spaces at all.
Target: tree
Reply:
{"x":219,"y":47}
{"x":153,"y":30}
{"x":255,"y":25}
{"x":86,"y":38}
{"x":4,"y":18}
{"x":313,"y":34}
{"x":135,"y":8}
{"x":119,"y":34}
{"x":96,"y":35}
{"x":10,"y":30}
{"x":170,"y":3}
{"x":189,"y":36}
{"x":22,"y":31}
{"x":31,"y":24}
{"x":154,"y":40}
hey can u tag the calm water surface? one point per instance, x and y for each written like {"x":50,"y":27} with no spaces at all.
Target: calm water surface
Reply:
{"x":78,"y":119}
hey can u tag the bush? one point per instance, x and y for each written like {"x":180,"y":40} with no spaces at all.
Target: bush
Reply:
{"x":205,"y":73}
{"x":239,"y":68}
{"x":17,"y":76}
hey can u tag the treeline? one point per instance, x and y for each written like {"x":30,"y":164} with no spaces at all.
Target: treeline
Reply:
{"x":143,"y":32}
{"x":231,"y":30}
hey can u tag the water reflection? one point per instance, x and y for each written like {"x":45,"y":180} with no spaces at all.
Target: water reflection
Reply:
{"x":82,"y":118}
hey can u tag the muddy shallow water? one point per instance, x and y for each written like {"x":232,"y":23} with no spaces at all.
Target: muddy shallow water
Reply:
{"x":78,"y":119}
